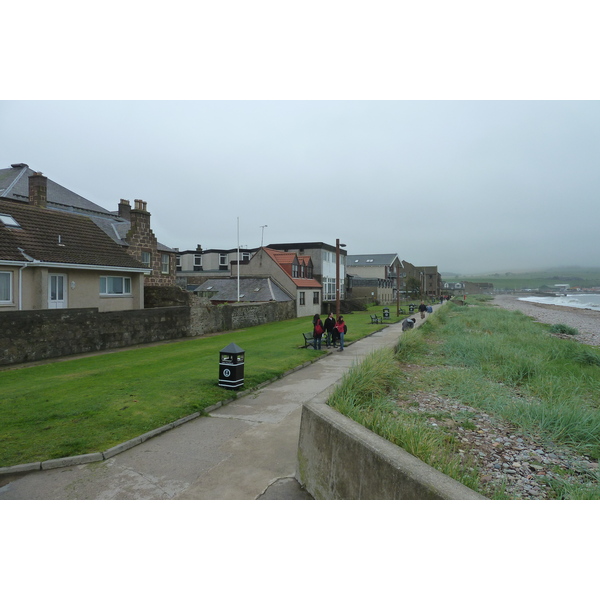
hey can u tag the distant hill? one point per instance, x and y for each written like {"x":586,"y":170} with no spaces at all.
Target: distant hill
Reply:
{"x":582,"y":277}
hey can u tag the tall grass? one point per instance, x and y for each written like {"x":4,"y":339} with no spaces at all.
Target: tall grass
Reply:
{"x":510,"y":365}
{"x":500,"y":362}
{"x":366,"y":395}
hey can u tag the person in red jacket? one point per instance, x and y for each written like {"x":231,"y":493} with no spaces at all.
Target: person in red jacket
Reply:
{"x":318,"y":330}
{"x":341,"y":329}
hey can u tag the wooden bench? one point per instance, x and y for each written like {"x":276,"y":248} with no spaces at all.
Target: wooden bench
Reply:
{"x":309,"y":340}
{"x":375,"y":320}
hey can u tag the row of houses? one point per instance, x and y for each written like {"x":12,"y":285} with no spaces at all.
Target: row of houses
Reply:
{"x":60,"y":250}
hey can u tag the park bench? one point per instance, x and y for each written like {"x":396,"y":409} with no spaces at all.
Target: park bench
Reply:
{"x":376,"y":320}
{"x":309,"y":340}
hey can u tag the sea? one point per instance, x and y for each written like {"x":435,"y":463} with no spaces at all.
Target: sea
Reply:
{"x":589,"y":301}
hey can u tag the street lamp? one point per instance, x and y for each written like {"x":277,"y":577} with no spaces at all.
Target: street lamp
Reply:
{"x":337,"y":275}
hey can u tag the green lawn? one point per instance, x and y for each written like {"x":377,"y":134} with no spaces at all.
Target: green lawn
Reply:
{"x":91,"y":404}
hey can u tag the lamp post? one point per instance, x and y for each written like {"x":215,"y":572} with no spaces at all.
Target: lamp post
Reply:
{"x":262,"y":235}
{"x":337,"y":276}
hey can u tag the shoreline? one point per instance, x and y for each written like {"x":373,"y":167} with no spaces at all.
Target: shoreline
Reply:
{"x":585,"y":320}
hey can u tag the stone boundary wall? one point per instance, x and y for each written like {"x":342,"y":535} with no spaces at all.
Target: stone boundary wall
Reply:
{"x":338,"y":459}
{"x":32,"y":335}
{"x":206,"y":317}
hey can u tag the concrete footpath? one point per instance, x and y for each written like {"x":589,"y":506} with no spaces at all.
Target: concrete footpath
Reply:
{"x":245,"y":450}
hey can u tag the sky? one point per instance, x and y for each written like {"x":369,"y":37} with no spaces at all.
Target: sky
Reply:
{"x":469,"y":186}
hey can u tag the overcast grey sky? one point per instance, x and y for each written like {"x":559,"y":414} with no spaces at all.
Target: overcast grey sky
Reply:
{"x":470,"y":186}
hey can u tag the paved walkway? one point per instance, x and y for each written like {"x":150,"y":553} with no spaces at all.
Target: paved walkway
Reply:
{"x":245,"y":450}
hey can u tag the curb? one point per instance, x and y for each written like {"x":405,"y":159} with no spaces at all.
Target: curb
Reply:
{"x":82,"y":459}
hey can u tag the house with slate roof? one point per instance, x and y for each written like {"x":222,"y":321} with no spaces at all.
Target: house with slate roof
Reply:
{"x":292,"y":273}
{"x":59,"y":250}
{"x":251,"y":289}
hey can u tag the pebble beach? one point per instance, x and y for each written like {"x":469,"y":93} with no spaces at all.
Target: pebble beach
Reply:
{"x":586,"y":321}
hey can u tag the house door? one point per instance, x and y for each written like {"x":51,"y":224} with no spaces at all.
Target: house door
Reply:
{"x":57,"y":291}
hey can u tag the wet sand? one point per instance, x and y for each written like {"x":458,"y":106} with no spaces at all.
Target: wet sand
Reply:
{"x":586,"y":321}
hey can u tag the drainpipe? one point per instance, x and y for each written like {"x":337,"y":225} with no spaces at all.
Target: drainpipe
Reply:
{"x":21,"y":285}
{"x":23,"y":266}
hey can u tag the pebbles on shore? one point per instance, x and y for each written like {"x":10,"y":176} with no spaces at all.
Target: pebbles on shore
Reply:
{"x":586,"y":321}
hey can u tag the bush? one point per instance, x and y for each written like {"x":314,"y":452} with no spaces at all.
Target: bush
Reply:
{"x":564,"y":329}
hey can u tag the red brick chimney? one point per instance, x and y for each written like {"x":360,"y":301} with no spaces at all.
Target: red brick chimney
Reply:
{"x":38,"y":190}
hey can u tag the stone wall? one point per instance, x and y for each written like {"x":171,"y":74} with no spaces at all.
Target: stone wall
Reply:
{"x":206,"y":317}
{"x":31,"y":335}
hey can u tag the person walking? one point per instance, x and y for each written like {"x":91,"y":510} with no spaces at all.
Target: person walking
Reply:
{"x":422,"y":309}
{"x":318,"y":330}
{"x":329,"y":326}
{"x":341,"y":329}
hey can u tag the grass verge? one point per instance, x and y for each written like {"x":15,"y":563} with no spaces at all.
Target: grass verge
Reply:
{"x":90,"y":404}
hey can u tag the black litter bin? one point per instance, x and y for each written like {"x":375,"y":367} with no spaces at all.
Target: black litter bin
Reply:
{"x":386,"y":313}
{"x":411,"y":308}
{"x":231,"y":367}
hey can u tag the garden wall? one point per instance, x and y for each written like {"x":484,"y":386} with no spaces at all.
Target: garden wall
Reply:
{"x":31,"y":335}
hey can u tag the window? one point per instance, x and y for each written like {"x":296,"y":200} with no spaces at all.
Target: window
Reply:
{"x":295,"y":271}
{"x":178,"y":263}
{"x":223,"y":262}
{"x":197,"y":260}
{"x":115,"y":286}
{"x":165,"y":261}
{"x":302,"y":298}
{"x":245,"y":256}
{"x":5,"y":287}
{"x":9,"y":221}
{"x":315,"y":297}
{"x":146,"y":259}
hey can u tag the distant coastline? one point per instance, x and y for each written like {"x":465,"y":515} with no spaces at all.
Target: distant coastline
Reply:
{"x":585,"y":301}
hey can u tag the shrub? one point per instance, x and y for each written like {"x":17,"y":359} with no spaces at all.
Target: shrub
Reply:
{"x":564,"y":329}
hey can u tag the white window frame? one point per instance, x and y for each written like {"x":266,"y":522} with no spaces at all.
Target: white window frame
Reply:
{"x":165,"y":261}
{"x":104,"y":286}
{"x":223,"y":259}
{"x":10,"y":288}
{"x":302,"y":299}
{"x":197,"y":260}
{"x":146,"y":263}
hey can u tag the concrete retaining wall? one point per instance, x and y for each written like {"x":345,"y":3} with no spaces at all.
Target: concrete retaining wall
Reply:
{"x":339,"y":459}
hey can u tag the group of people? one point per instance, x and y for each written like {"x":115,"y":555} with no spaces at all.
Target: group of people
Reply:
{"x":333,"y":329}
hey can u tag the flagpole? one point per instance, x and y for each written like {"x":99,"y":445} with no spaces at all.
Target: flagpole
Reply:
{"x":238,"y":259}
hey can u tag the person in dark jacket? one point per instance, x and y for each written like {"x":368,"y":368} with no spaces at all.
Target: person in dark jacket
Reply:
{"x":329,"y":327}
{"x":422,"y":309}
